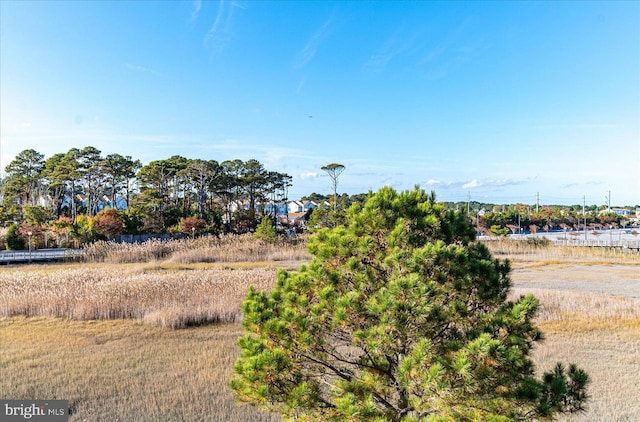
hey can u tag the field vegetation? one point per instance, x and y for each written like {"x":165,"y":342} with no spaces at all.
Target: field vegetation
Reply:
{"x":103,"y":334}
{"x":590,"y":315}
{"x":229,"y":248}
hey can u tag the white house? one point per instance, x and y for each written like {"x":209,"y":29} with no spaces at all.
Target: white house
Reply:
{"x":280,"y":208}
{"x":621,"y":211}
{"x":295,"y":206}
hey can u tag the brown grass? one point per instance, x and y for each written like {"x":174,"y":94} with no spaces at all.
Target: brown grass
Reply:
{"x":123,"y":370}
{"x":164,"y":298}
{"x":517,"y":250}
{"x":229,"y":248}
{"x":134,"y":370}
{"x":590,"y":315}
{"x":610,"y":352}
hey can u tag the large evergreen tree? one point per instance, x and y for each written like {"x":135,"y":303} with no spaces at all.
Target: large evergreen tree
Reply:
{"x":119,"y":170}
{"x":90,"y":162}
{"x":401,"y":316}
{"x":56,"y":179}
{"x":23,"y":176}
{"x":70,"y":170}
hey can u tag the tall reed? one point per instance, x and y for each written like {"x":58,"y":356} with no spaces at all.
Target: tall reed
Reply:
{"x":229,"y":248}
{"x":171,"y":298}
{"x":540,"y":249}
{"x":563,"y":305}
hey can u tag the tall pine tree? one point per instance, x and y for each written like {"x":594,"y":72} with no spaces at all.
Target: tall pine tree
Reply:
{"x":401,"y":316}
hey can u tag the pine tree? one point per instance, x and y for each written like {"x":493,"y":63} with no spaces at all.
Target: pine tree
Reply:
{"x":400,"y":316}
{"x":266,"y":230}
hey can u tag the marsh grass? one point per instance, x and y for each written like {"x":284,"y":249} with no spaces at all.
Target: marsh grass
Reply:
{"x":228,"y":248}
{"x":112,"y":358}
{"x":176,"y":283}
{"x":175,"y":299}
{"x":517,"y":250}
{"x":590,"y":315}
{"x":123,"y":370}
{"x":609,"y":350}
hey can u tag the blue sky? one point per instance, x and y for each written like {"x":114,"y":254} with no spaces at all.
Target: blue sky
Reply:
{"x":498,"y":101}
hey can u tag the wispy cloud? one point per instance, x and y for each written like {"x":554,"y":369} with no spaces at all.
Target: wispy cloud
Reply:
{"x":574,"y":126}
{"x":310,"y":49}
{"x":455,"y":49}
{"x":301,"y":84}
{"x":569,"y":185}
{"x":448,"y":43}
{"x":220,"y":31}
{"x":216,"y":23}
{"x":139,"y":68}
{"x":398,"y":44}
{"x":197,"y":5}
{"x":475,"y":183}
{"x":264,"y":148}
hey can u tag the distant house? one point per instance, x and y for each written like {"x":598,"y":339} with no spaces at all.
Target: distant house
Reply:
{"x":617,"y":211}
{"x":292,"y":218}
{"x":621,"y":211}
{"x":304,"y":206}
{"x":309,"y":205}
{"x":101,"y":202}
{"x":105,"y":202}
{"x":295,"y":206}
{"x":277,"y":209}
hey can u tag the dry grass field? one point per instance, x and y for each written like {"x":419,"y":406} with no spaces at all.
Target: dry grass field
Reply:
{"x":590,"y":315}
{"x":102,"y":335}
{"x":123,"y":370}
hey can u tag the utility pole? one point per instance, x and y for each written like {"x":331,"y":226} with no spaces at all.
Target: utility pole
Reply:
{"x":537,"y":201}
{"x":469,"y":203}
{"x":608,"y":199}
{"x":584,"y":216}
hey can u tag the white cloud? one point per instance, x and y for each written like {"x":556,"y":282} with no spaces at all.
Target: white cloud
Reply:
{"x":308,"y":175}
{"x":432,"y":182}
{"x":471,"y":184}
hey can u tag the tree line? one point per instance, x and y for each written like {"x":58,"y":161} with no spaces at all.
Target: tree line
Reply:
{"x":86,"y":196}
{"x":89,"y":195}
{"x":519,"y":218}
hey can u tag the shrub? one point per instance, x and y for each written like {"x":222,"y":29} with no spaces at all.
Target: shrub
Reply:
{"x":192,"y":225}
{"x":108,"y":222}
{"x":266,"y":230}
{"x":12,"y":240}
